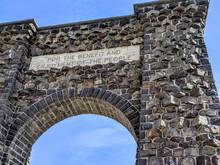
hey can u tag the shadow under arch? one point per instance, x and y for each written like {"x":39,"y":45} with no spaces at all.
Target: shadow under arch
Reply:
{"x":40,"y":116}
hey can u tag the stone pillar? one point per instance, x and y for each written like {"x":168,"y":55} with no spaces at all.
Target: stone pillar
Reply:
{"x":14,"y":48}
{"x":179,"y":122}
{"x":12,"y":60}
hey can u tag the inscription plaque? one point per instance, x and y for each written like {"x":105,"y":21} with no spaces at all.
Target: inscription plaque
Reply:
{"x":102,"y":56}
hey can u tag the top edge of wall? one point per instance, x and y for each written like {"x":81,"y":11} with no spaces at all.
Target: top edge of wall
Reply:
{"x":33,"y":22}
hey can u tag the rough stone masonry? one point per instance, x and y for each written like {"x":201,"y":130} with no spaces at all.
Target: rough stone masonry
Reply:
{"x":166,"y":97}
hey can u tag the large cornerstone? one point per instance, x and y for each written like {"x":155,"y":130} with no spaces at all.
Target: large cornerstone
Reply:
{"x":149,"y":71}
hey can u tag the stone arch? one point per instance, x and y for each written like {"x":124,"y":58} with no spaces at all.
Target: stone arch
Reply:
{"x":40,"y":116}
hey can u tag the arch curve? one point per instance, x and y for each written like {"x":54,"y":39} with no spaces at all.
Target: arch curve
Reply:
{"x":40,"y":116}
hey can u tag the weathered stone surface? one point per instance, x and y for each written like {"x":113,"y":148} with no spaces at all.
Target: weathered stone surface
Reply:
{"x":196,"y":91}
{"x":170,"y":100}
{"x":87,"y":58}
{"x":189,"y":100}
{"x":187,"y":161}
{"x":170,"y":161}
{"x":164,"y":152}
{"x":214,"y":129}
{"x":215,"y":160}
{"x":212,"y":142}
{"x":200,"y":120}
{"x":202,"y":137}
{"x":166,"y":97}
{"x":181,"y":122}
{"x":208,"y":112}
{"x":208,"y":150}
{"x":160,"y":124}
{"x":29,"y":85}
{"x":192,"y":152}
{"x":154,"y":161}
{"x":203,"y":160}
{"x":153,"y":133}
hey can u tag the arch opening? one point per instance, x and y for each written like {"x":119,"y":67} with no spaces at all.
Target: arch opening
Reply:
{"x":39,"y":117}
{"x":87,"y":140}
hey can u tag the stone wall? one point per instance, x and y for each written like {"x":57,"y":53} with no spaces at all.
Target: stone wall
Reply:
{"x":180,"y":108}
{"x":167,"y":99}
{"x":109,"y":33}
{"x":121,"y":78}
{"x":14,"y":48}
{"x":106,"y":33}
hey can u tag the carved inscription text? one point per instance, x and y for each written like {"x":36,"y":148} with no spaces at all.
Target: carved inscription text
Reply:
{"x":94,"y":57}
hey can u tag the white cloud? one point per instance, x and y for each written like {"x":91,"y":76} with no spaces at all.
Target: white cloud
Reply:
{"x":89,"y":144}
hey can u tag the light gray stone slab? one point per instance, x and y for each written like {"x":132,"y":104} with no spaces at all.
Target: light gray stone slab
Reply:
{"x":102,"y":56}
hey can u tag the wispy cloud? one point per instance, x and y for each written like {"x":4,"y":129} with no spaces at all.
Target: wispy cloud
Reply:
{"x":90,"y":143}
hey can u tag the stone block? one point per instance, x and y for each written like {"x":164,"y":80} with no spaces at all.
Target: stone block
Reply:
{"x":153,"y":161}
{"x":189,"y":100}
{"x":192,"y":152}
{"x":196,"y":92}
{"x":29,"y":85}
{"x":170,"y":161}
{"x":164,"y":152}
{"x":200,"y":120}
{"x":170,"y":100}
{"x":212,"y":142}
{"x":208,"y":150}
{"x":202,"y":137}
{"x":153,"y":133}
{"x":187,"y":161}
{"x":160,"y":124}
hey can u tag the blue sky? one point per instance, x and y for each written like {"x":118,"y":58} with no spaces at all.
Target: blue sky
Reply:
{"x":85,"y":140}
{"x":90,"y":139}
